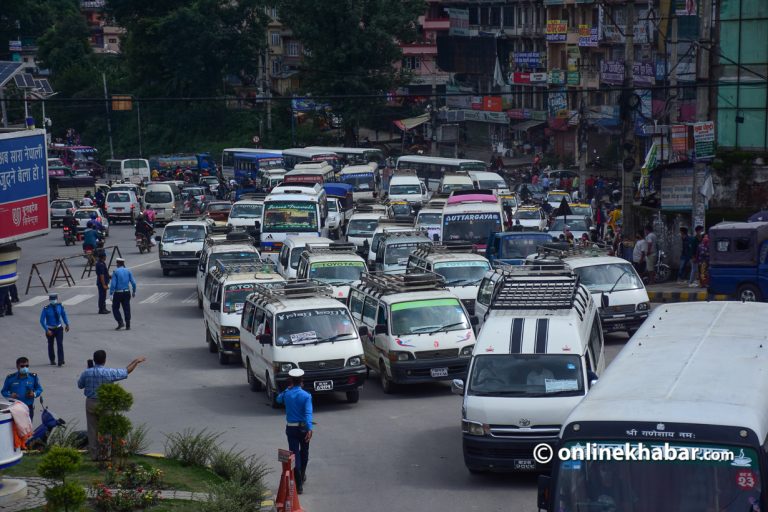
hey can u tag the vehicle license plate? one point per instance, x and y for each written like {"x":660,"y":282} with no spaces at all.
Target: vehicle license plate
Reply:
{"x":324,"y":385}
{"x":525,"y":464}
{"x":439,"y":372}
{"x":184,"y":263}
{"x":119,"y":209}
{"x":617,"y":327}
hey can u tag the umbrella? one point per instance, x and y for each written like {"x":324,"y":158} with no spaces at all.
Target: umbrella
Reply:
{"x":761,"y":216}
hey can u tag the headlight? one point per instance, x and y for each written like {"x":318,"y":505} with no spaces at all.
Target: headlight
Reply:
{"x":396,"y":355}
{"x":356,"y":361}
{"x":165,"y":253}
{"x":644,"y":306}
{"x":230,"y":331}
{"x":473,"y":428}
{"x":282,"y":367}
{"x":467,"y":351}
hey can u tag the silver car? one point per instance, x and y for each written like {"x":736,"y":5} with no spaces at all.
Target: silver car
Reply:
{"x":83,"y":215}
{"x":59,"y":209}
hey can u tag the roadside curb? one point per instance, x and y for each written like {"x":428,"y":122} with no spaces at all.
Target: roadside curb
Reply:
{"x":702,"y":296}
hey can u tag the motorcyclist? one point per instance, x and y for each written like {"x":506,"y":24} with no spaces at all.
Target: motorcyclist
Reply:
{"x":69,"y":221}
{"x":143,"y":228}
{"x":97,"y":225}
{"x":149,"y":215}
{"x":90,"y":237}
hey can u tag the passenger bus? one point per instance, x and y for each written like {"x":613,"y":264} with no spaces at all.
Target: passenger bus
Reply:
{"x":228,"y":159}
{"x":76,"y":157}
{"x":430,"y":169}
{"x":295,"y":156}
{"x":354,"y":156}
{"x":692,"y":383}
{"x":316,"y":172}
{"x":250,"y":165}
{"x":363,"y":179}
{"x":291,"y":211}
{"x":471,"y":216}
{"x":132,"y":170}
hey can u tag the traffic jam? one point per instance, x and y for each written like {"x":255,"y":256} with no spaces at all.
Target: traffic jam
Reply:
{"x":358,"y":269}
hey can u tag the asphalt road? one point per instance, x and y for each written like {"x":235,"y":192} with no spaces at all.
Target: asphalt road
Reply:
{"x":385,"y":453}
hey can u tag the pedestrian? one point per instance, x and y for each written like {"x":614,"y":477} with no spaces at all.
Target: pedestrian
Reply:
{"x":599,"y":219}
{"x":652,"y":252}
{"x":686,"y":255}
{"x":90,"y":380}
{"x":702,"y":256}
{"x":695,"y":241}
{"x":15,"y":292}
{"x":6,"y":307}
{"x":54,"y":320}
{"x":638,"y":254}
{"x":575,"y":186}
{"x":120,"y":293}
{"x":298,"y":429}
{"x":23,"y":385}
{"x":102,"y":281}
{"x":545,"y":183}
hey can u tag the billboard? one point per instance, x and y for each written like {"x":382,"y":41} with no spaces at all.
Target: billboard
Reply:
{"x":23,"y":186}
{"x":557,"y":30}
{"x":459,"y":22}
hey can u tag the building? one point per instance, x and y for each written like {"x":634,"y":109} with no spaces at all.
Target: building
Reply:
{"x":284,"y":56}
{"x":105,"y":37}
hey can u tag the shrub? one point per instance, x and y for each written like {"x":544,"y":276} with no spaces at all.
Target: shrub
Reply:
{"x":135,"y":476}
{"x":226,"y":462}
{"x":190,"y":447}
{"x":230,"y":496}
{"x":67,"y":496}
{"x":124,"y":500}
{"x":137,"y":442}
{"x":57,"y":464}
{"x":65,"y":436}
{"x":251,"y":473}
{"x":114,"y":426}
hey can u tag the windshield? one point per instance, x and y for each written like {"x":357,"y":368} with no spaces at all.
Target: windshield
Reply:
{"x":531,"y":375}
{"x":514,"y":248}
{"x":450,"y":187}
{"x":233,"y":258}
{"x":601,"y":278}
{"x":509,"y":202}
{"x":491,"y":184}
{"x":219,"y":207}
{"x":472,"y":227}
{"x":313,"y":326}
{"x":234,"y":297}
{"x":337,"y":272}
{"x":403,"y":190}
{"x":654,"y":485}
{"x":397,"y":254}
{"x":332,"y":206}
{"x":184,"y":233}
{"x":61,"y":204}
{"x":158,"y":197}
{"x":574,"y":224}
{"x":290,"y":216}
{"x":581,"y":211}
{"x":360,"y":227}
{"x":528,"y":214}
{"x":246,"y":211}
{"x":359,"y":182}
{"x":193,"y":192}
{"x":457,"y":273}
{"x":557,"y":198}
{"x":118,"y":197}
{"x":428,"y":219}
{"x":85,"y":214}
{"x":401,"y":209}
{"x":428,"y":316}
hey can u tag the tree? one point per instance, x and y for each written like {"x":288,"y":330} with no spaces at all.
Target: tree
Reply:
{"x":65,"y":43}
{"x":352,"y":46}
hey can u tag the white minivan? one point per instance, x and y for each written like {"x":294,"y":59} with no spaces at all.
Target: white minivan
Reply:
{"x":539,"y":351}
{"x":406,"y":186}
{"x":290,"y":253}
{"x":300,"y":325}
{"x":161,"y":198}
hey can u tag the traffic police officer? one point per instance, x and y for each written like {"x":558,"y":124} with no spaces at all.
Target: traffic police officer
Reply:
{"x":23,"y":385}
{"x":120,"y":292}
{"x":298,"y":413}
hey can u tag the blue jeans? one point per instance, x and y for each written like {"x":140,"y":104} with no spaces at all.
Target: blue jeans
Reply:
{"x":299,"y":447}
{"x":684,"y":261}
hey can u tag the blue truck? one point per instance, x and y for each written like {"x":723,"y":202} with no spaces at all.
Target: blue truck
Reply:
{"x":512,"y":247}
{"x":738,"y":260}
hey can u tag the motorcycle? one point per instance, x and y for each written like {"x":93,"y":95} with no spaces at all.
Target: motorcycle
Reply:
{"x":143,"y":243}
{"x":663,"y":272}
{"x":69,"y":236}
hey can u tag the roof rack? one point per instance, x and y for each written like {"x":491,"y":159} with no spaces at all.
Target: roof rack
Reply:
{"x":190,"y":216}
{"x":445,"y":248}
{"x":253,"y":196}
{"x":527,"y":288}
{"x":334,"y":247}
{"x":297,"y":289}
{"x":411,"y":232}
{"x":560,"y":250}
{"x":370,"y":208}
{"x":260,"y":266}
{"x":234,"y":237}
{"x":383,"y":284}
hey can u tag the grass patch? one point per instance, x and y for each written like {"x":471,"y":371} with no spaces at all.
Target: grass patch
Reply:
{"x":163,"y":506}
{"x":176,"y":476}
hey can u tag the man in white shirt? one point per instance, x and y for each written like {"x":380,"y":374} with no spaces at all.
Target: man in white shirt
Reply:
{"x":87,"y":201}
{"x":638,"y":254}
{"x":651,"y":253}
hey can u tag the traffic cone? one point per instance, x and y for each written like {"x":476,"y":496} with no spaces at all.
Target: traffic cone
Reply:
{"x":287,"y":498}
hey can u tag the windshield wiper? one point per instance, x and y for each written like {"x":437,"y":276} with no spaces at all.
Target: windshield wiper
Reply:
{"x":455,"y":281}
{"x":617,"y":281}
{"x":332,"y":338}
{"x":445,"y":327}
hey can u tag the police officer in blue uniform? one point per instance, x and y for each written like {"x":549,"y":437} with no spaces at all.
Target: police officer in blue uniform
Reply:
{"x":54,"y":321}
{"x":23,"y":385}
{"x":120,"y":292}
{"x":298,"y":429}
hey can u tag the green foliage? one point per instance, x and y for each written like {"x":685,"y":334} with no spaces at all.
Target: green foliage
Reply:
{"x":115,"y":425}
{"x":233,"y":465}
{"x":66,"y":42}
{"x":191,"y":447}
{"x":137,"y":442}
{"x":68,"y":496}
{"x":113,"y":398}
{"x":230,"y":496}
{"x":58,"y":462}
{"x":135,"y":476}
{"x":124,"y":500}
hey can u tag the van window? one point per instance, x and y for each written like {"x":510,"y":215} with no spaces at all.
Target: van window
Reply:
{"x":369,"y":310}
{"x":356,"y":304}
{"x":595,"y":340}
{"x":428,"y":315}
{"x":381,"y":316}
{"x":119,"y":197}
{"x":248,"y":317}
{"x":155,"y":196}
{"x":485,"y":292}
{"x":742,"y":244}
{"x":722,"y":245}
{"x":539,"y":375}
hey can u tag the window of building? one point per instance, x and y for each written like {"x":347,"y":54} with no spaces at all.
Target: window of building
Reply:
{"x":473,"y":16}
{"x":276,"y":67}
{"x":292,"y":49}
{"x":112,"y":40}
{"x":275,"y":39}
{"x":484,"y":16}
{"x":412,"y":63}
{"x":495,"y":16}
{"x":508,"y":16}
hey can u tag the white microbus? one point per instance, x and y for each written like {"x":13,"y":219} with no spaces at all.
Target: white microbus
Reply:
{"x":294,"y":156}
{"x":430,"y":169}
{"x":291,"y":212}
{"x":354,"y":156}
{"x":471,"y":216}
{"x":132,"y":170}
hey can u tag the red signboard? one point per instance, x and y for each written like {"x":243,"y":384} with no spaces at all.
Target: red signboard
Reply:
{"x":492,"y":103}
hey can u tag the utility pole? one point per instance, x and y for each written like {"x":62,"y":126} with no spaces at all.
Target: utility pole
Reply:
{"x":627,"y":174}
{"x":109,"y":122}
{"x":673,"y":72}
{"x":702,"y":104}
{"x":268,"y":87}
{"x":434,"y":110}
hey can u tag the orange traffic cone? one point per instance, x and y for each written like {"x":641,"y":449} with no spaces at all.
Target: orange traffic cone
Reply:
{"x":287,"y":498}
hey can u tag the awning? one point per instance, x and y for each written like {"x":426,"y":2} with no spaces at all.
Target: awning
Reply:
{"x":411,"y":122}
{"x":527,"y":125}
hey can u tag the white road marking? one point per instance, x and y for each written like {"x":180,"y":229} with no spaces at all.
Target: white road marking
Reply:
{"x":31,"y":302}
{"x":192,"y":299}
{"x":155,"y":298}
{"x":77,"y":299}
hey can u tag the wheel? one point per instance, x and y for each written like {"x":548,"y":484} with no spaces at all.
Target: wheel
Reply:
{"x":141,"y":249}
{"x":199,"y":302}
{"x":748,"y":293}
{"x":212,"y":348}
{"x":662,"y":273}
{"x":223,"y":358}
{"x":387,"y":386}
{"x":353,"y":396}
{"x":271,"y":395}
{"x":253,"y":383}
{"x":166,"y":272}
{"x":133,"y":219}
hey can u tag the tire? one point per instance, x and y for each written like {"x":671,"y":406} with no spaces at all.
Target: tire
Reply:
{"x":662,"y":273}
{"x":166,"y":272}
{"x":749,"y":293}
{"x":212,"y":348}
{"x":387,"y":386}
{"x":353,"y":396}
{"x":141,"y":249}
{"x":254,"y":384}
{"x":223,"y":358}
{"x":199,"y":302}
{"x":270,"y":392}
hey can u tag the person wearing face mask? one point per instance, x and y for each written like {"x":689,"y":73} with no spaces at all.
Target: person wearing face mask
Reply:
{"x":54,"y":320}
{"x":23,"y":385}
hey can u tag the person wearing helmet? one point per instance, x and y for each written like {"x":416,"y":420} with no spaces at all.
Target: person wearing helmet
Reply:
{"x":97,"y":225}
{"x":143,"y":228}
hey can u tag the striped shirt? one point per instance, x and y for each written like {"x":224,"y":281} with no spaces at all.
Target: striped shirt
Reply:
{"x":92,"y":378}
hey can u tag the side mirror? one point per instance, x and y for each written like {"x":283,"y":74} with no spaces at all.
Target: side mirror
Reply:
{"x":604,"y":301}
{"x":380,"y":329}
{"x":265,"y":339}
{"x":158,"y":238}
{"x":215,"y":306}
{"x":363,"y":330}
{"x":473,"y":320}
{"x":457,"y":387}
{"x":592,"y":377}
{"x":545,"y":486}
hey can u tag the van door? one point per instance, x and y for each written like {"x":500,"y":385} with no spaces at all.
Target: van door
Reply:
{"x":263,"y":359}
{"x":483,"y":301}
{"x":368,"y":319}
{"x":283,"y":260}
{"x":597,"y":346}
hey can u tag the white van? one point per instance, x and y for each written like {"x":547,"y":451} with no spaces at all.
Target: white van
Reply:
{"x":290,"y":253}
{"x":337,"y":265}
{"x":430,"y":220}
{"x":133,"y":170}
{"x":121,"y":205}
{"x":361,"y":227}
{"x":162,"y":199}
{"x":455,"y":181}
{"x":394,"y":248}
{"x":486,"y":180}
{"x":181,"y":245}
{"x":234,"y":248}
{"x":406,"y":186}
{"x":226,"y":289}
{"x":300,"y":325}
{"x":384,"y":226}
{"x":539,"y":351}
{"x":413,"y":329}
{"x":613,"y":282}
{"x":461,"y":269}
